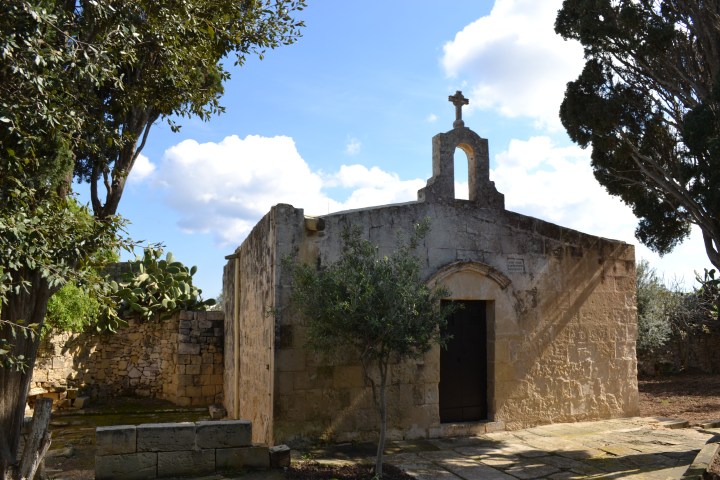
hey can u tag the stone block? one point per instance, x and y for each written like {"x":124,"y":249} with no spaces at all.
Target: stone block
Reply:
{"x":189,"y":349}
{"x":192,"y":369}
{"x":185,"y":380}
{"x":133,"y":466}
{"x":115,"y":440}
{"x":348,"y":376}
{"x":224,"y":433}
{"x":165,"y":437}
{"x":194,"y":391}
{"x":81,"y":402}
{"x":185,"y":463}
{"x":208,"y":390}
{"x":255,"y":456}
{"x":498,"y":426}
{"x":279,"y":456}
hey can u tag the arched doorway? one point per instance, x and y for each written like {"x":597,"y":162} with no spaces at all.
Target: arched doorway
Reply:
{"x":463,"y":388}
{"x":466,"y":382}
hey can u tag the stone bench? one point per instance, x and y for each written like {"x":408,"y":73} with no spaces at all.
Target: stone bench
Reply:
{"x":157,"y":450}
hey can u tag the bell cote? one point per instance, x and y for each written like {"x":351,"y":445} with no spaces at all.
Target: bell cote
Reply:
{"x":441,"y":186}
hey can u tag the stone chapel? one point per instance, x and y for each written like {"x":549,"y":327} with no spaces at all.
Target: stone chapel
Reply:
{"x":547,"y":333}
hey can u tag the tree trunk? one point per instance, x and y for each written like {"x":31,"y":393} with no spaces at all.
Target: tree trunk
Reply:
{"x":38,"y":443}
{"x":382,"y":406}
{"x":20,"y":308}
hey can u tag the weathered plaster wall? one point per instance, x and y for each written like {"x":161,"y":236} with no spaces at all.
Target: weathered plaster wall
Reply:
{"x":561,"y":336}
{"x":179,"y":359}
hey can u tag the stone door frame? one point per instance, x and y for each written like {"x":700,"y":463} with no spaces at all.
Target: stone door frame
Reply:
{"x":467,"y":280}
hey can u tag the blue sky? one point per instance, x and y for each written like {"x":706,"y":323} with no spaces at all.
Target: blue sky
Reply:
{"x":344,"y":119}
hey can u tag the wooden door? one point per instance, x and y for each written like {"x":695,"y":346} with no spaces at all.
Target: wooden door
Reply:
{"x":463,"y":365}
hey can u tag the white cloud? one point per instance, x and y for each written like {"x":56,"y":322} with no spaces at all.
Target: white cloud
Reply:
{"x":225,"y":188}
{"x":353,"y":146}
{"x":142,"y":169}
{"x":432,"y":118}
{"x":514,"y":62}
{"x":556,"y":184}
{"x":374,"y":186}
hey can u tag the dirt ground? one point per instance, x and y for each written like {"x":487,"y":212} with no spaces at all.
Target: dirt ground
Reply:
{"x":695,"y":398}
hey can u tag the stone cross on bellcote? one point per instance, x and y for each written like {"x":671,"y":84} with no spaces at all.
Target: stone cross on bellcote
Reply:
{"x":459,"y":101}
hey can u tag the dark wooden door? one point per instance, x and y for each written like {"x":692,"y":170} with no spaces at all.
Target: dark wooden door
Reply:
{"x":463,"y":365}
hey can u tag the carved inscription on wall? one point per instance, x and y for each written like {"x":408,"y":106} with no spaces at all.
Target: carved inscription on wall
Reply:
{"x":515,"y":265}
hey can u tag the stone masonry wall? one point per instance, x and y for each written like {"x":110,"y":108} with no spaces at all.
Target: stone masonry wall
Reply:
{"x":561,"y":325}
{"x":158,"y":450}
{"x":179,"y":359}
{"x":250,"y":332}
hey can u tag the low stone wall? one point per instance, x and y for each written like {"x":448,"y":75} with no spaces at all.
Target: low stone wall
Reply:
{"x":158,"y":450}
{"x":179,"y":359}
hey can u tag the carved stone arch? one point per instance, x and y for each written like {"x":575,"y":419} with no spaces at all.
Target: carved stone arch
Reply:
{"x":443,"y":274}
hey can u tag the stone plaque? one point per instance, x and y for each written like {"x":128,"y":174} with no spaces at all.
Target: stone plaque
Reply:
{"x":516,"y":265}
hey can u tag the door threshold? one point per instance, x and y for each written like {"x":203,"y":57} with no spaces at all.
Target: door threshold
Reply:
{"x":466,"y":429}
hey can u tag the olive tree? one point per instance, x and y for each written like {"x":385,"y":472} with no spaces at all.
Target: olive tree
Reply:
{"x":377,"y":306}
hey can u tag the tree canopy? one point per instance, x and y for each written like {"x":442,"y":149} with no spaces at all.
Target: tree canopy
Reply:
{"x":648,"y":102}
{"x":81,"y":84}
{"x":377,"y":306}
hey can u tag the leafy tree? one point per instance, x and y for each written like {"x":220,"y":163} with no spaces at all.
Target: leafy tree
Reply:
{"x":657,"y":309}
{"x":648,"y":101}
{"x":71,"y":309}
{"x":81,"y":84}
{"x":377,"y":306}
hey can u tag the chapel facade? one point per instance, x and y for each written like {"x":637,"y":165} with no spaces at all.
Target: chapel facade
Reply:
{"x":547,"y":333}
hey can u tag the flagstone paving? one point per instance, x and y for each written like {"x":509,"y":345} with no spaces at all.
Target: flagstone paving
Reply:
{"x":636,"y":448}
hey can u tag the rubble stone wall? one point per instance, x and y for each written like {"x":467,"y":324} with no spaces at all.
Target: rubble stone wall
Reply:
{"x":179,"y":359}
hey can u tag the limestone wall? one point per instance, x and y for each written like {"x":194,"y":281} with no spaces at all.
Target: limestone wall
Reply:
{"x":159,"y":450}
{"x":179,"y":359}
{"x":250,"y":330}
{"x":561,"y":325}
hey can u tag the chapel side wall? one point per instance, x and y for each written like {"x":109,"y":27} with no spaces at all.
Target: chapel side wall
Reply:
{"x":562,"y":339}
{"x":250,"y":373}
{"x":569,"y":352}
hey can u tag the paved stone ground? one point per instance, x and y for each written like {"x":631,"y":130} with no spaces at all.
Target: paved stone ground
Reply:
{"x":637,"y":448}
{"x":630,"y":448}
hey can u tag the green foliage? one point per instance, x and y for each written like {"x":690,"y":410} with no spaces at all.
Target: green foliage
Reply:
{"x":157,"y":288}
{"x":81,"y":84}
{"x":377,"y":306}
{"x":709,"y":294}
{"x":71,"y":309}
{"x":657,"y":309}
{"x":46,"y":241}
{"x":647,"y":102}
